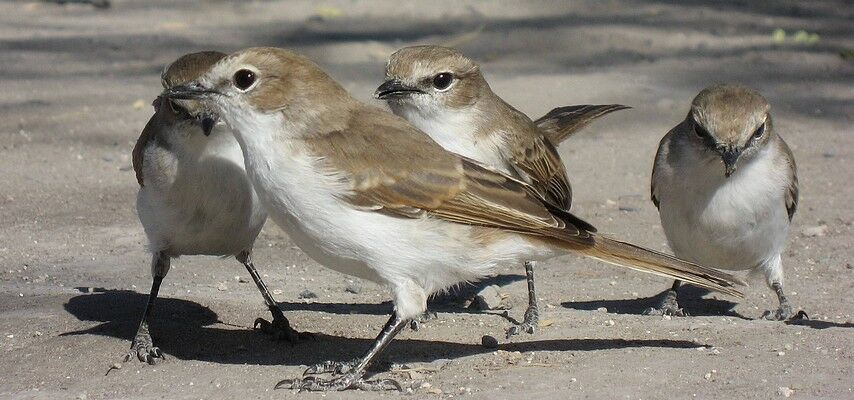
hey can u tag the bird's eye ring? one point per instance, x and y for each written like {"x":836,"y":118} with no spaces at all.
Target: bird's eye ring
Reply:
{"x":244,"y":79}
{"x":443,"y":80}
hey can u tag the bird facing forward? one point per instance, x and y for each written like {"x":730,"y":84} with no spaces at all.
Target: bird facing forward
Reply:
{"x":726,"y":188}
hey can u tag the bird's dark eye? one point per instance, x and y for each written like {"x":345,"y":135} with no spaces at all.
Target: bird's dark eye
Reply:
{"x":759,"y":131}
{"x":443,"y":81}
{"x":178,"y":110}
{"x":700,"y":131}
{"x":243,"y":79}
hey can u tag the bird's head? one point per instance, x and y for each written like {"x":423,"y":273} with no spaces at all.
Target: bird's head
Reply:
{"x":183,"y":70}
{"x":431,"y":79}
{"x":258,"y":84}
{"x":733,"y":121}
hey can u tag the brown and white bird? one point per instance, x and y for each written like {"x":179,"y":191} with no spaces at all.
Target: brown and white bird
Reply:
{"x":726,"y":187}
{"x":443,"y":93}
{"x":365,"y":193}
{"x":194,"y":196}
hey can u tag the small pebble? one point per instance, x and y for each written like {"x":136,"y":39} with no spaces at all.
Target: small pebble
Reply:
{"x":602,"y":310}
{"x":307,"y":294}
{"x":815,"y":231}
{"x":489,"y":342}
{"x":785,"y":391}
{"x":353,"y":288}
{"x":609,"y":322}
{"x":277,"y":291}
{"x":222,"y":287}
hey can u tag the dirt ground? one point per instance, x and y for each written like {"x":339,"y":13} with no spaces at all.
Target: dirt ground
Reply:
{"x":76,"y":85}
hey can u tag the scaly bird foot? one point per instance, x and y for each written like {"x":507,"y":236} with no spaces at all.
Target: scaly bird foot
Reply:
{"x":332,"y":367}
{"x":784,"y":313}
{"x":528,"y":325}
{"x":143,"y":348}
{"x":280,"y":329}
{"x":344,"y":382}
{"x":668,"y":306}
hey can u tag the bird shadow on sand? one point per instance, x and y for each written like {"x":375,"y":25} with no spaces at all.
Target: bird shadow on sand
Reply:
{"x":189,"y":331}
{"x":818,"y":324}
{"x":690,"y":299}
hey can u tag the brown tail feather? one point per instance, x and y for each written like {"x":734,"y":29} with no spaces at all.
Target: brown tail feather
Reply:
{"x":562,"y":122}
{"x":645,"y":260}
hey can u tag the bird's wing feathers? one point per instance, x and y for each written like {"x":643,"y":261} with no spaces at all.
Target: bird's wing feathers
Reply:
{"x":539,"y":159}
{"x":148,"y":134}
{"x":562,"y":122}
{"x":792,"y":192}
{"x":660,"y":161}
{"x":418,"y":177}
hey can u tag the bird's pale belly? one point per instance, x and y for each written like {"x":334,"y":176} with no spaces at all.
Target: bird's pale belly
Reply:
{"x":725,"y":233}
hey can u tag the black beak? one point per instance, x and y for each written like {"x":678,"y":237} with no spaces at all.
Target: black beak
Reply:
{"x":394,"y":88}
{"x":190,"y":91}
{"x":729,"y":155}
{"x":208,"y":121}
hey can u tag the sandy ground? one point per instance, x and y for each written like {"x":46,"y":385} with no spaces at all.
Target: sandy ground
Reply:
{"x":76,"y":83}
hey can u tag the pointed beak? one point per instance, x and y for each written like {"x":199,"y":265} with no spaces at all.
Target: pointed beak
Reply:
{"x":729,"y":155}
{"x":394,"y":88}
{"x":208,"y":122}
{"x":190,"y":91}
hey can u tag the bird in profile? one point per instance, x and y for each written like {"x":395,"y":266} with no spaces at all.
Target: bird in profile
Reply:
{"x":443,"y":93}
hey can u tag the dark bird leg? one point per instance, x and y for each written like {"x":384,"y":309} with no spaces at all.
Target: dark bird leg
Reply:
{"x":532,"y":314}
{"x":142,"y":346}
{"x":784,"y":312}
{"x":351,"y":373}
{"x":669,"y":305}
{"x":280,"y":328}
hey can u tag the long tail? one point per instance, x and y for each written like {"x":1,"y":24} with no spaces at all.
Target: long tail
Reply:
{"x":641,"y":259}
{"x":562,"y":122}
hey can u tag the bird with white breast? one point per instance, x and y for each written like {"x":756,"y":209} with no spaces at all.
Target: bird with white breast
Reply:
{"x":726,"y":187}
{"x":194,"y":196}
{"x":443,"y":93}
{"x":365,"y":193}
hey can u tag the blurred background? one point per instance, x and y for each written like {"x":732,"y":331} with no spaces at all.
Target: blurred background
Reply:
{"x":77,"y":79}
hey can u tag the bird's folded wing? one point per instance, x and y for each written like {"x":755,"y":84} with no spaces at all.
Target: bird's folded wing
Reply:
{"x":792,"y":192}
{"x":148,"y":134}
{"x":660,"y":161}
{"x":539,"y":159}
{"x":563,"y":122}
{"x":415,"y":177}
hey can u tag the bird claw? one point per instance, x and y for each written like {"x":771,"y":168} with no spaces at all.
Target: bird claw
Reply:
{"x":280,"y":329}
{"x":528,"y":325}
{"x":344,"y":382}
{"x":143,"y":349}
{"x":784,"y":313}
{"x":662,"y":311}
{"x":668,"y":306}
